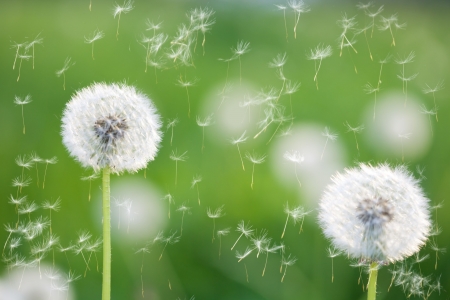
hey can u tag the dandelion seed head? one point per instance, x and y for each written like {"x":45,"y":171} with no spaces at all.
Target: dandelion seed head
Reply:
{"x":375,"y":213}
{"x":111,"y":125}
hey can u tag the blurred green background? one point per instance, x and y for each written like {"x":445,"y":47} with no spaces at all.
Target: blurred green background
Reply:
{"x":192,"y":266}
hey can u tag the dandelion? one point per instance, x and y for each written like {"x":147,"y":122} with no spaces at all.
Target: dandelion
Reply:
{"x":287,"y":261}
{"x":238,"y":141}
{"x":283,"y":8}
{"x":367,"y":211}
{"x":114,"y":128}
{"x":171,"y":124}
{"x":22,"y":57}
{"x":175,"y":157}
{"x":255,"y":159}
{"x":90,"y":178}
{"x":355,"y":130}
{"x":96,"y":35}
{"x":404,"y":136}
{"x":48,"y":161}
{"x":382,"y":62}
{"x":330,"y":136}
{"x":22,"y":102}
{"x":118,"y":10}
{"x":298,"y":6}
{"x":183,"y":209}
{"x":204,"y":123}
{"x":187,"y":84}
{"x":37,"y":40}
{"x":431,"y":112}
{"x":171,"y":239}
{"x":55,"y":206}
{"x":169,"y":199}
{"x":346,"y":24}
{"x":245,"y":230}
{"x":369,"y":89}
{"x":195,"y":181}
{"x":218,"y":213}
{"x":67,"y":65}
{"x":319,"y":53}
{"x":241,"y":48}
{"x":297,"y":159}
{"x":439,"y":86}
{"x":221,"y":233}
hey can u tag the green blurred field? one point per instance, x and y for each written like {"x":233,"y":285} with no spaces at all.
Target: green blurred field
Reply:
{"x":192,"y":266}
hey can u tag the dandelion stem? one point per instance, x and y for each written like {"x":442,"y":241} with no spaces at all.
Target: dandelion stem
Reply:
{"x":106,"y":285}
{"x":372,"y":285}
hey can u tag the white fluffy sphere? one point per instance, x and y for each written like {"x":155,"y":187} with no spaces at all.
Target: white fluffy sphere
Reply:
{"x":111,"y":125}
{"x":375,"y":213}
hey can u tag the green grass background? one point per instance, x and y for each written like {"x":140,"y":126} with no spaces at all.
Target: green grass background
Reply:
{"x":192,"y":265}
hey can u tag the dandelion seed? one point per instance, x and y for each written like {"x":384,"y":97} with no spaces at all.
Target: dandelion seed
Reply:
{"x":67,"y":65}
{"x":332,"y":253}
{"x":171,"y":239}
{"x":24,"y":163}
{"x":382,"y":62}
{"x":283,"y":8}
{"x":291,"y":88}
{"x":171,"y":124}
{"x":373,"y":15}
{"x":204,"y":123}
{"x":388,"y":23}
{"x":298,"y":6}
{"x":174,"y":156}
{"x":238,"y":141}
{"x":297,"y":159}
{"x":330,"y":136}
{"x":241,"y":48}
{"x":420,"y":172}
{"x":118,"y":10}
{"x":22,"y":102}
{"x":183,"y":209}
{"x":142,"y":250}
{"x":295,"y":213}
{"x":404,"y":136}
{"x":50,"y":161}
{"x":21,"y":182}
{"x":22,"y":57}
{"x":268,"y":249}
{"x":319,"y":53}
{"x":255,"y":159}
{"x":218,"y":213}
{"x":90,"y":178}
{"x":260,"y":241}
{"x":11,"y":230}
{"x":364,"y":30}
{"x":169,"y":199}
{"x":433,"y":246}
{"x":128,"y":204}
{"x":369,"y":89}
{"x":346,"y":24}
{"x":355,"y":130}
{"x":35,"y":159}
{"x":245,"y":230}
{"x":55,"y":206}
{"x":17,"y":46}
{"x":28,"y":208}
{"x":287,"y":261}
{"x":431,"y":112}
{"x":221,"y":233}
{"x":439,"y":86}
{"x":187,"y":84}
{"x":37,"y":40}
{"x":203,"y":22}
{"x":243,"y":255}
{"x":195,"y":181}
{"x":96,"y":35}
{"x":405,"y":81}
{"x":405,"y":60}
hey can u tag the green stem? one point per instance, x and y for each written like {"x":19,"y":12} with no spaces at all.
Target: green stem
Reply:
{"x":106,"y":286}
{"x":372,"y":285}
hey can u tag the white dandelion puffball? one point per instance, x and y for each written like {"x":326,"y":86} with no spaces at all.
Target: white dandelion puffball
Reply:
{"x":375,"y":213}
{"x":111,"y":125}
